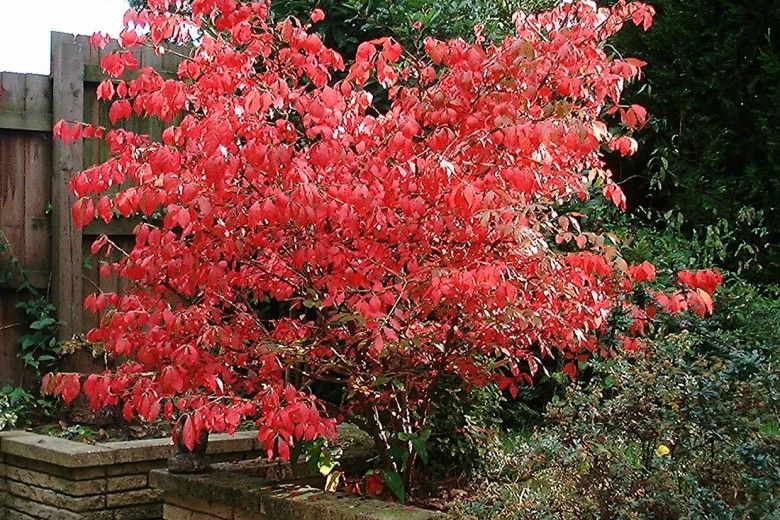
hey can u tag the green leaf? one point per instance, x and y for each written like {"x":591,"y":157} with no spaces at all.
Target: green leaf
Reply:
{"x":29,"y":340}
{"x":421,"y":447}
{"x":398,"y":454}
{"x":296,"y":452}
{"x":395,"y":483}
{"x":327,"y":465}
{"x":42,"y":323}
{"x":29,"y":359}
{"x":313,"y":455}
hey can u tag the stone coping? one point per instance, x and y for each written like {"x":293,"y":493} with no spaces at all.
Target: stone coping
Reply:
{"x":72,"y":454}
{"x":252,"y":496}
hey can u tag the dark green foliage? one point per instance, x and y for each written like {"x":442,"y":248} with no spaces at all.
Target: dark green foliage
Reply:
{"x":713,"y":79}
{"x":38,"y":346}
{"x":349,"y":22}
{"x":689,"y":431}
{"x":465,"y":423}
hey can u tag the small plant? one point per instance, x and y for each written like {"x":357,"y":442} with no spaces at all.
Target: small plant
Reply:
{"x":18,"y":407}
{"x":8,"y":416}
{"x":38,"y":345}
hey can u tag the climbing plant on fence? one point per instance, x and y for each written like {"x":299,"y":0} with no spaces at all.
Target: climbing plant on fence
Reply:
{"x":38,"y":347}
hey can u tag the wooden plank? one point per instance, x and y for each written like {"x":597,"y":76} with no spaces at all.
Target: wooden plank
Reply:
{"x":118,"y":227}
{"x":96,"y":113}
{"x":92,"y":282}
{"x":12,"y":230}
{"x":37,"y":196}
{"x":173,"y":56}
{"x":37,"y":94}
{"x":67,"y":71}
{"x":93,"y":74}
{"x":25,"y":121}
{"x":24,"y":184}
{"x":12,"y":183}
{"x":149,"y":58}
{"x":25,"y":102}
{"x":11,"y":92}
{"x":11,"y":368}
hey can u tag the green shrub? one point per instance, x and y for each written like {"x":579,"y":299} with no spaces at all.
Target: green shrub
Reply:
{"x":463,"y":425}
{"x":8,"y":415}
{"x":687,"y":431}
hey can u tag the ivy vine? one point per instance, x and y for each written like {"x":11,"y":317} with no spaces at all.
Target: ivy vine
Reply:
{"x":38,"y":345}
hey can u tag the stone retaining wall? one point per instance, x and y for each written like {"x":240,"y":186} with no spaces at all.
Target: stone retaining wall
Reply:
{"x":251,"y":491}
{"x":44,"y":477}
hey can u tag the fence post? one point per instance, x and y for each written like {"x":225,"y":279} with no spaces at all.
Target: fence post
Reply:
{"x":67,"y":71}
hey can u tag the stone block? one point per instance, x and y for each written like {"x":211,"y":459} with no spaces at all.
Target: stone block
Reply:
{"x":172,"y":512}
{"x":131,"y":498}
{"x":60,"y":452}
{"x":124,"y":483}
{"x":55,"y":499}
{"x":46,"y":512}
{"x":140,"y":450}
{"x":76,"y":488}
{"x":221,"y":511}
{"x":134,"y":468}
{"x":226,"y":443}
{"x":143,"y":512}
{"x":88,"y":473}
{"x":253,"y":497}
{"x":9,"y":514}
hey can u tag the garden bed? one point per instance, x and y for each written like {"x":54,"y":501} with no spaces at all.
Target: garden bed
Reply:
{"x":43,"y":477}
{"x":260,"y":490}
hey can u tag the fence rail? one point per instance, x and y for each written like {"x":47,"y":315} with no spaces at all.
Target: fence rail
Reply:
{"x":34,"y":196}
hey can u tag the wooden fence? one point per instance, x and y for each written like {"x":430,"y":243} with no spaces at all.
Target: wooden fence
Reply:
{"x":34,"y":196}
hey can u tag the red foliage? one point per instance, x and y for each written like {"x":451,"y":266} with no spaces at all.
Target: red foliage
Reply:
{"x":374,"y":484}
{"x":407,"y":244}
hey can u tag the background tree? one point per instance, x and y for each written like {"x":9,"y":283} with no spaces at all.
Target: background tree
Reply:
{"x":713,"y":143}
{"x":350,"y":22}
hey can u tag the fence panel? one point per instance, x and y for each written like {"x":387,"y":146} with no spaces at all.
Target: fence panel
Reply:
{"x":35,"y":199}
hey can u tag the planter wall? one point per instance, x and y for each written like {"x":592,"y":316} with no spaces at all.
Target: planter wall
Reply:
{"x":252,"y":491}
{"x":44,"y":477}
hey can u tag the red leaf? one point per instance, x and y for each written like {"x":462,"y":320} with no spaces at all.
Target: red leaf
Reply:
{"x":253,"y":102}
{"x":284,"y":449}
{"x":120,"y":110}
{"x":104,"y":209}
{"x":105,"y":90}
{"x":190,"y":434}
{"x":317,"y":16}
{"x":68,"y":387}
{"x":99,"y":40}
{"x":374,"y":484}
{"x":644,"y":272}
